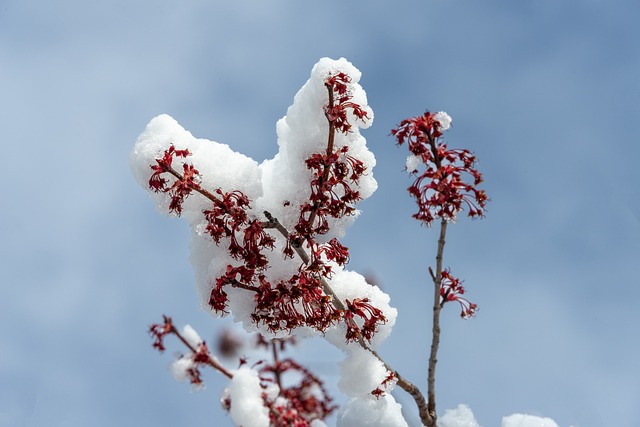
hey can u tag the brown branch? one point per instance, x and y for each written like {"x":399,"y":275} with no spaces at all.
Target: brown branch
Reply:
{"x":195,"y":188}
{"x":403,"y":383}
{"x":435,"y":332}
{"x":210,"y":360}
{"x":330,"y":142}
{"x":276,"y":363}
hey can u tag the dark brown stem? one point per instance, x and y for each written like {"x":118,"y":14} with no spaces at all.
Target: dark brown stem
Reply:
{"x":196,"y":188}
{"x":240,"y":285}
{"x":276,"y":362}
{"x":210,"y":360}
{"x":330,"y":142}
{"x":403,"y":383}
{"x":435,"y":332}
{"x":274,"y":223}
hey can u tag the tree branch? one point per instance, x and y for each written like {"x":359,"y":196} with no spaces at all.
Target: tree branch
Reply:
{"x":435,"y":332}
{"x":403,"y":383}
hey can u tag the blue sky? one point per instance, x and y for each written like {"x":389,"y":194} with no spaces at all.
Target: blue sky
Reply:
{"x":546,"y":93}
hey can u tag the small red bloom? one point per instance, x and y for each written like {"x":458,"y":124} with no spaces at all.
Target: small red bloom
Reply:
{"x":340,"y":100}
{"x":159,"y":331}
{"x":380,"y":391}
{"x":448,"y":183}
{"x":451,"y":289}
{"x":370,"y":318}
{"x":300,"y":403}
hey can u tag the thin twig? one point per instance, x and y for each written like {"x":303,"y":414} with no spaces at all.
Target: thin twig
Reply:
{"x":435,"y":334}
{"x":210,"y":360}
{"x":276,"y":362}
{"x":402,"y":382}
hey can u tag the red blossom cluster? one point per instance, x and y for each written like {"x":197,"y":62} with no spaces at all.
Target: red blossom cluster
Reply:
{"x":445,"y":184}
{"x":196,"y":360}
{"x":380,"y":390}
{"x":160,"y":330}
{"x":181,"y":187}
{"x":371,"y":315}
{"x":301,"y":300}
{"x":451,"y":289}
{"x":340,"y":99}
{"x":303,"y":402}
{"x":298,"y":404}
{"x":332,"y":196}
{"x":441,"y":190}
{"x":197,"y":356}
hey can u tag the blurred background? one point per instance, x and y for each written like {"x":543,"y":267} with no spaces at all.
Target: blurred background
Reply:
{"x":546,"y":94}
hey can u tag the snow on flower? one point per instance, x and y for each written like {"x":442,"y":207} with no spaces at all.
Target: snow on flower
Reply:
{"x":274,"y":281}
{"x":191,"y":336}
{"x":361,"y":373}
{"x":180,"y":368}
{"x":279,"y":186}
{"x":245,"y":393}
{"x":412,"y":163}
{"x":444,"y":119}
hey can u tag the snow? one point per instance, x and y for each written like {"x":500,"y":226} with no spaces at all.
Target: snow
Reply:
{"x":360,"y":373}
{"x":191,"y":336}
{"x":459,"y":417}
{"x":302,"y":132}
{"x":271,"y":186}
{"x":349,"y":285}
{"x":463,"y":417}
{"x":412,"y":163}
{"x":524,"y":420}
{"x":247,"y":409}
{"x":444,"y":119}
{"x":372,"y":412}
{"x":180,"y":367}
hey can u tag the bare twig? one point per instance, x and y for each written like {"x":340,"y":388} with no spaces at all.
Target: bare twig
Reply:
{"x":435,"y":334}
{"x":210,"y":360}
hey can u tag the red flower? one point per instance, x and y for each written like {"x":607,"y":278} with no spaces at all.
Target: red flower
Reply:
{"x":370,"y":318}
{"x":448,"y":183}
{"x":451,"y":289}
{"x":159,"y":331}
